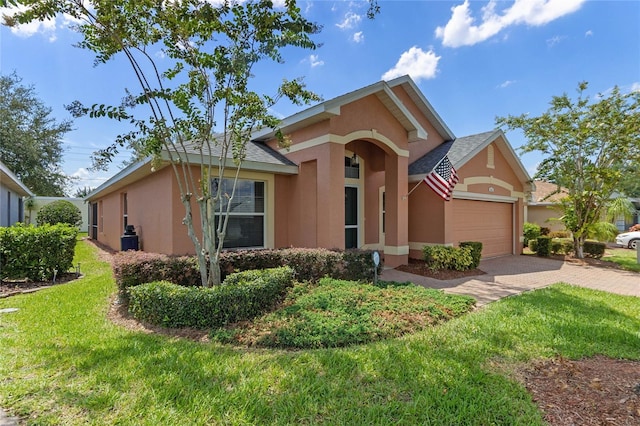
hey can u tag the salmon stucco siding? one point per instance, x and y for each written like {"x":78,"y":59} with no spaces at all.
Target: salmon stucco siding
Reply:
{"x":350,"y":178}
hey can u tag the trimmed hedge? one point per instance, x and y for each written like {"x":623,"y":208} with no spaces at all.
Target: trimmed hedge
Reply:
{"x":594,"y":249}
{"x":36,"y":252}
{"x":60,"y":211}
{"x":476,"y":251}
{"x":444,"y":257}
{"x":243,"y":296}
{"x":132,"y":268}
{"x":531,"y":231}
{"x":543,"y":248}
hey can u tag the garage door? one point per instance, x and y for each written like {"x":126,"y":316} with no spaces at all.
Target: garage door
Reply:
{"x":488,"y":222}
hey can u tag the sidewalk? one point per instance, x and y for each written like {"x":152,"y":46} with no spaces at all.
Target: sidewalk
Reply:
{"x":506,"y":276}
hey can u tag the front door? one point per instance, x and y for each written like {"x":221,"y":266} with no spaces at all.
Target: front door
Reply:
{"x":350,"y":217}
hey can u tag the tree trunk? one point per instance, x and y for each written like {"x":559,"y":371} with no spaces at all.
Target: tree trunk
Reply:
{"x":578,"y":245}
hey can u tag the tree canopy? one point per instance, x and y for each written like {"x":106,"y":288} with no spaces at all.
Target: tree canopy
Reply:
{"x":30,"y":138}
{"x":589,"y":147}
{"x":194,"y":61}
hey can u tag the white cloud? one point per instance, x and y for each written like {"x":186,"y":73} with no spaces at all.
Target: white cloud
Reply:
{"x":315,"y":61}
{"x":506,"y":84}
{"x":83,"y":178}
{"x":554,"y":40}
{"x":358,"y":37}
{"x":350,"y":20}
{"x":415,"y":62}
{"x":589,"y":33}
{"x":461,"y":30}
{"x":46,"y":28}
{"x":635,"y":87}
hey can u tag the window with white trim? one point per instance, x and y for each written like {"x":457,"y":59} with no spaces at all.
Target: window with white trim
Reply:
{"x":246,"y":226}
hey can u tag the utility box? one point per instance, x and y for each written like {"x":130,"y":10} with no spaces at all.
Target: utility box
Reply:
{"x":129,"y":240}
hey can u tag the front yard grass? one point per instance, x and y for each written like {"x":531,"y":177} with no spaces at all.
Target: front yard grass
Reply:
{"x":627,"y":259}
{"x":63,"y":362}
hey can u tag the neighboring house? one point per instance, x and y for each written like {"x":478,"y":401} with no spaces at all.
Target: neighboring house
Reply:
{"x":344,"y":182}
{"x":34,"y":205}
{"x":544,"y":205}
{"x":12,"y":194}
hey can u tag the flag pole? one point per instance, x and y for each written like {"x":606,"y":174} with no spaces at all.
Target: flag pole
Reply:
{"x":412,"y":189}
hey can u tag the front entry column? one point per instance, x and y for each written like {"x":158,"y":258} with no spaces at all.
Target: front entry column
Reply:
{"x":396,"y":248}
{"x":330,"y":196}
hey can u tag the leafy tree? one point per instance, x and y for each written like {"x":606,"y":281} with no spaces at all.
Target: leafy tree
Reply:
{"x":83,"y":192}
{"x":587,"y":146}
{"x":201,"y":108}
{"x":30,"y":139}
{"x":60,"y":211}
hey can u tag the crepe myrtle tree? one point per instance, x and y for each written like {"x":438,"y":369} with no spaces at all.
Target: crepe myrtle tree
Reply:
{"x":588,"y":146}
{"x":200,"y":109}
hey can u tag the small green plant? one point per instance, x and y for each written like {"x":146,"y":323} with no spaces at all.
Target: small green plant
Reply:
{"x":531,"y":231}
{"x":444,"y":257}
{"x":476,"y":251}
{"x":543,"y":248}
{"x":594,"y":249}
{"x":61,"y":211}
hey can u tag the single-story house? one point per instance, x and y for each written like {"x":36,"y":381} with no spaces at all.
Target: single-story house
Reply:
{"x":12,"y":194}
{"x":351,"y":177}
{"x":544,"y":205}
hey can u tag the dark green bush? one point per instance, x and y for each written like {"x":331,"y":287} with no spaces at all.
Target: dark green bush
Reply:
{"x":61,"y":211}
{"x":36,"y":252}
{"x":476,"y":251}
{"x":132,"y":268}
{"x":594,"y":249}
{"x":444,"y":257}
{"x":544,"y":246}
{"x":533,"y":245}
{"x":531,"y":231}
{"x":561,"y":246}
{"x":242,"y":296}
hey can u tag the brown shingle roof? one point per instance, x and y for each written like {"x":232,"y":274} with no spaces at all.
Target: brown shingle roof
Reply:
{"x":543,"y":191}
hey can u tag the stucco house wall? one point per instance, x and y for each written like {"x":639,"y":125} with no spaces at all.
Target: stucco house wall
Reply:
{"x":388,"y":135}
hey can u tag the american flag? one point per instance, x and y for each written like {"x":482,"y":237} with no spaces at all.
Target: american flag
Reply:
{"x":442,"y":178}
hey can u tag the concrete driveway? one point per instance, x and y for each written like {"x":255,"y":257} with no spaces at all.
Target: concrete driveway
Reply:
{"x":510,"y":275}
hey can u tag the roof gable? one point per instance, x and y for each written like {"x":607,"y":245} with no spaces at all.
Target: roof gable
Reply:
{"x":11,"y":181}
{"x":463,"y":149}
{"x":383,"y":91}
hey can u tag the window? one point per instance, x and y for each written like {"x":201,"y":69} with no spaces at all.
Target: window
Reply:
{"x":101,"y":223}
{"x":351,"y":167}
{"x":125,"y":215}
{"x":246,"y":226}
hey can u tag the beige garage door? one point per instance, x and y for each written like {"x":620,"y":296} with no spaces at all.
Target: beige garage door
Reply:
{"x":488,"y":222}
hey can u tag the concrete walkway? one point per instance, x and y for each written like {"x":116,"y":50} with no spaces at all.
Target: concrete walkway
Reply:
{"x":506,"y":276}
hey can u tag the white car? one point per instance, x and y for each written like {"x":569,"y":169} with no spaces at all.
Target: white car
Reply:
{"x":629,"y":239}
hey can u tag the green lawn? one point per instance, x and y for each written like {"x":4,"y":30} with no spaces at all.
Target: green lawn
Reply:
{"x":63,"y":362}
{"x":626,"y":258}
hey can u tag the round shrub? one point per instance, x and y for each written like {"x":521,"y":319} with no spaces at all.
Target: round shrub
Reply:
{"x":61,"y":211}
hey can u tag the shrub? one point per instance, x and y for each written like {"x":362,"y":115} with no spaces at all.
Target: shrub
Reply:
{"x":533,"y":245}
{"x":476,"y":251}
{"x":531,"y":231}
{"x":594,"y":249}
{"x":242,"y":296}
{"x":132,"y":268}
{"x":36,"y":252}
{"x":560,"y":234}
{"x":60,"y":211}
{"x":544,"y":231}
{"x":443,"y":257}
{"x":544,"y":246}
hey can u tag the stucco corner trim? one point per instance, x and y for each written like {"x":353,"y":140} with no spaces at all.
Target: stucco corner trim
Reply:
{"x":396,"y":250}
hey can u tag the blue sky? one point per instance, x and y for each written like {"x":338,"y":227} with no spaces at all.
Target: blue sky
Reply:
{"x":473,"y":60}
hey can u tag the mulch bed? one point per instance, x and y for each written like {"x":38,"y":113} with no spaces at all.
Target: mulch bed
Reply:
{"x":13,"y":287}
{"x":419,"y":267}
{"x":594,"y":391}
